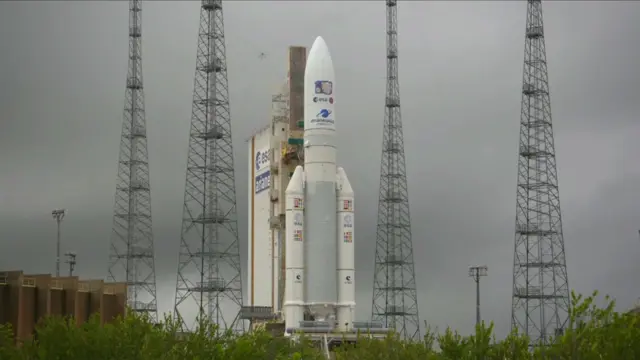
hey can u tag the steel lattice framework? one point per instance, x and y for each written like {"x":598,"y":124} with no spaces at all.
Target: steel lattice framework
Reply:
{"x":540,"y":285}
{"x":131,"y":256}
{"x":395,"y":301}
{"x":209,"y":281}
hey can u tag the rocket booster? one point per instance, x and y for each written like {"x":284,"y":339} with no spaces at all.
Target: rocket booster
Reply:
{"x":319,"y":215}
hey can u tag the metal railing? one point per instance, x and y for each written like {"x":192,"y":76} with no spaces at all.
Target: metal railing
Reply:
{"x":84,"y":287}
{"x":29,"y":282}
{"x":56,"y":285}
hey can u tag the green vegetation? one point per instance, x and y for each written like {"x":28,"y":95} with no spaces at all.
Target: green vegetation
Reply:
{"x":603,"y":334}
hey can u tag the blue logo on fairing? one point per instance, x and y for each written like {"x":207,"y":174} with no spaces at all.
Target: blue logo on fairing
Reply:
{"x":323,"y":118}
{"x":324,"y":113}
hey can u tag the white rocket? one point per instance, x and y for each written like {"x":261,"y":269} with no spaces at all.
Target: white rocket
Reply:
{"x":319,"y":212}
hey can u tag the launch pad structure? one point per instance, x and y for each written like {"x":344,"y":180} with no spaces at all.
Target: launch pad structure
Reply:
{"x":275,"y":150}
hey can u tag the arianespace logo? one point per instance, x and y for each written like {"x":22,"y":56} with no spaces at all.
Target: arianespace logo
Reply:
{"x":262,"y":159}
{"x":323,"y":117}
{"x":324,"y":113}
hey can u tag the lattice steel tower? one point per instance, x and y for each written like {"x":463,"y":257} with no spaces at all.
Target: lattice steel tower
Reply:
{"x":131,"y":256}
{"x":395,"y":301}
{"x":209,"y":281}
{"x":540,"y":285}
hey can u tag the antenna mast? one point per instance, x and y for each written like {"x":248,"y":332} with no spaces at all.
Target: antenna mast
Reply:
{"x":395,"y":299}
{"x":209,"y":275}
{"x":71,"y":260}
{"x":540,"y":284}
{"x":476,"y":272}
{"x":131,"y":257}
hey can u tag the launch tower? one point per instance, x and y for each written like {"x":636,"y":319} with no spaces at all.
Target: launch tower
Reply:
{"x":395,"y":301}
{"x":275,"y":150}
{"x":209,"y":275}
{"x":540,"y":285}
{"x":131,"y":256}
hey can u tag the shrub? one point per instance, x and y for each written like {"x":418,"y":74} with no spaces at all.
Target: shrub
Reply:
{"x":594,"y":333}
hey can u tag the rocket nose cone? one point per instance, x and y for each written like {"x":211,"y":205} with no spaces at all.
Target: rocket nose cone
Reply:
{"x":319,"y":45}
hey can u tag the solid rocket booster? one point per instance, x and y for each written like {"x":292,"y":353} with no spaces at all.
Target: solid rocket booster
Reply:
{"x":346,"y":253}
{"x":319,"y":215}
{"x":294,"y":250}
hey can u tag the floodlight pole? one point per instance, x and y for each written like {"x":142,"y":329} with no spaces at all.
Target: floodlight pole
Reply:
{"x":58,"y":215}
{"x":476,"y":272}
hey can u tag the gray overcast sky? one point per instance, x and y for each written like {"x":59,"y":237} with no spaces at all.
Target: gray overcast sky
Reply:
{"x":62,"y":76}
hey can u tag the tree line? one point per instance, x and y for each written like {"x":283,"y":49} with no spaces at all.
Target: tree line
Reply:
{"x":593,"y":333}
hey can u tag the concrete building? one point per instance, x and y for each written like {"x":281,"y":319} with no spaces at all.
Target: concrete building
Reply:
{"x":274,"y":152}
{"x":25,"y":299}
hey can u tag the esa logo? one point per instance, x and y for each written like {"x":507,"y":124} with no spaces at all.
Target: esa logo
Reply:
{"x":297,"y":219}
{"x":348,"y":221}
{"x":262,"y":158}
{"x":322,"y":99}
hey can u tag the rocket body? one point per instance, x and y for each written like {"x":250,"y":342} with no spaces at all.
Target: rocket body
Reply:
{"x":320,"y":188}
{"x":320,"y":230}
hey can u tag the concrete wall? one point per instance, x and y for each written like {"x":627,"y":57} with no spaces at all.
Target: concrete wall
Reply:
{"x":4,"y":304}
{"x":27,"y":308}
{"x":70,"y":288}
{"x":110,"y":308}
{"x":95,"y":297}
{"x":4,"y":298}
{"x":82,"y":304}
{"x":42,"y":295}
{"x":56,"y":302}
{"x":14,"y":281}
{"x":113,"y":302}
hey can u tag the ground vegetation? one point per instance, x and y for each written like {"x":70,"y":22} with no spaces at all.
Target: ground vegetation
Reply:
{"x":594,"y":332}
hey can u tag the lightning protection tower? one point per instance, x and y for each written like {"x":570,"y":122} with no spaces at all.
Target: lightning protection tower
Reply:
{"x":131,"y":258}
{"x":209,"y":281}
{"x":395,"y":301}
{"x":540,"y":285}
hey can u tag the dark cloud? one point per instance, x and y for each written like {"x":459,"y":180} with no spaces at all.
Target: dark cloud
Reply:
{"x":63,"y":68}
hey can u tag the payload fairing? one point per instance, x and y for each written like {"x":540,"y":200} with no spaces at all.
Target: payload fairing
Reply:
{"x":319,"y":212}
